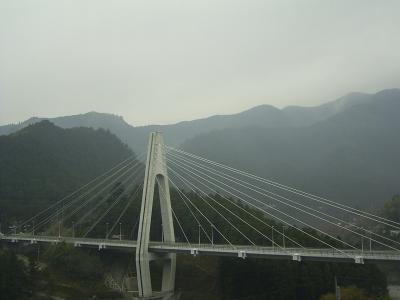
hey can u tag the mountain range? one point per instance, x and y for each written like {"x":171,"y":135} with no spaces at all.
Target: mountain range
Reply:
{"x":347,"y":149}
{"x":265,"y":116}
{"x":351,"y":157}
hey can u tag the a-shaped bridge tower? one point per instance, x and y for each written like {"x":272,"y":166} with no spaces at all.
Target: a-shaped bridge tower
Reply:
{"x":156,"y":172}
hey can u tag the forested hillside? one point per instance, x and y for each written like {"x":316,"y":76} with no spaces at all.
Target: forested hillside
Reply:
{"x":78,"y":273}
{"x":346,"y":149}
{"x":352,"y":157}
{"x":42,"y":163}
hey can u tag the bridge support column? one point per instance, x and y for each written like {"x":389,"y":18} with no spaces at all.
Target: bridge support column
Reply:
{"x":156,"y":171}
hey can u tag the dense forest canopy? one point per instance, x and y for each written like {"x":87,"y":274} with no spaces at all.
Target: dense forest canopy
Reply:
{"x":42,"y":163}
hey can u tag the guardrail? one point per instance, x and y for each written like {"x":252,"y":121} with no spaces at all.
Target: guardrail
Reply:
{"x":196,"y":249}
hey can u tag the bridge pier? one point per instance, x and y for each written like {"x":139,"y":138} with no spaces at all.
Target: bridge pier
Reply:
{"x":156,"y":172}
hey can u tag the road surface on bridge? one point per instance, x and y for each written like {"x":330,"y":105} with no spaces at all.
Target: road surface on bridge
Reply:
{"x":242,"y":251}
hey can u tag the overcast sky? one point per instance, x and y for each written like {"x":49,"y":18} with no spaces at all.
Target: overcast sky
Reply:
{"x":166,"y":61}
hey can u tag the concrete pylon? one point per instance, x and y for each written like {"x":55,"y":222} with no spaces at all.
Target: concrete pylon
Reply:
{"x":156,"y":170}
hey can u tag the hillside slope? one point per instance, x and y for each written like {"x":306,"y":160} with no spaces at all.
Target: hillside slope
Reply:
{"x":42,"y":163}
{"x":352,"y":157}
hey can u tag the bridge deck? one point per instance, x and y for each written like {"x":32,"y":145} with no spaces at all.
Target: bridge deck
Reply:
{"x":243,"y":251}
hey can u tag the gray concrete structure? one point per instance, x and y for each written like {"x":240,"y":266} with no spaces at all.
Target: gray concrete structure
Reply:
{"x":162,"y":249}
{"x":156,"y":172}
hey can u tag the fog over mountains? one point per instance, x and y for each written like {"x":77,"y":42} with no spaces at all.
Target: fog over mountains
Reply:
{"x":264,"y":116}
{"x":352,"y":156}
{"x":347,"y":149}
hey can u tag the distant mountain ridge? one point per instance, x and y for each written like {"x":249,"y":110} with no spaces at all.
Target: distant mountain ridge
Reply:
{"x":265,"y":116}
{"x":90,"y":119}
{"x":347,"y":149}
{"x":305,"y":116}
{"x":352,"y":157}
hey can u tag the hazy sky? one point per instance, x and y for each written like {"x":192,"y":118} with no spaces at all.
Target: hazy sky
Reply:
{"x":166,"y":61}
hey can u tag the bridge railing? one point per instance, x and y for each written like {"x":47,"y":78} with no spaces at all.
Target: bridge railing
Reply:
{"x":215,"y":248}
{"x":321,"y":252}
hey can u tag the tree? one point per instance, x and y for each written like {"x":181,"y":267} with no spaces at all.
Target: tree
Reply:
{"x":391,"y":209}
{"x":349,"y":293}
{"x":14,"y":277}
{"x":74,"y":262}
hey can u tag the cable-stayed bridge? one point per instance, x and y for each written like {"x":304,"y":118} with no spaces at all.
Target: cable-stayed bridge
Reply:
{"x":298,"y":254}
{"x":212,"y":209}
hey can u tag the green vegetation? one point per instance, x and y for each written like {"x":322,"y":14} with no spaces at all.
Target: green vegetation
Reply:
{"x":42,"y":163}
{"x":290,"y":280}
{"x":391,"y":210}
{"x":77,"y":272}
{"x":224,"y":224}
{"x":351,"y":157}
{"x":233,"y":278}
{"x":346,"y":150}
{"x":352,"y":293}
{"x":15,"y":279}
{"x":73,"y":262}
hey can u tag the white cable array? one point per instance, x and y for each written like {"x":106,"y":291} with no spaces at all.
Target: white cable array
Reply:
{"x":81,"y":189}
{"x":73,"y":193}
{"x":173,"y":213}
{"x":56,"y":214}
{"x":287,"y":215}
{"x":310,"y":196}
{"x":257,"y":190}
{"x":208,"y":220}
{"x":100,"y":202}
{"x":267,"y":205}
{"x":213,"y":208}
{"x":180,"y":226}
{"x":106,"y":197}
{"x":134,"y":227}
{"x":86,"y":202}
{"x":73,"y":201}
{"x":194,"y":216}
{"x":116,"y":201}
{"x":232,"y":213}
{"x":124,"y":210}
{"x":244,"y":210}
